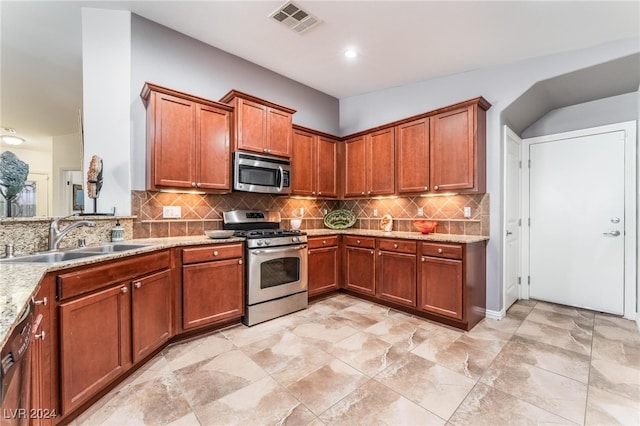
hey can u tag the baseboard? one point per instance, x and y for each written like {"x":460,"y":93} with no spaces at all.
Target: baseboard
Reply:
{"x":496,"y":315}
{"x":638,"y":320}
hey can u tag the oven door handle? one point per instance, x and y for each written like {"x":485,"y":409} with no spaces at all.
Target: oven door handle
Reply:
{"x":281,"y":173}
{"x":282,"y":250}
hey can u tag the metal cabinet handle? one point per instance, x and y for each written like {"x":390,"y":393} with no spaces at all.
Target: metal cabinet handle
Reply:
{"x":426,"y":188}
{"x":422,"y":259}
{"x":436,"y":187}
{"x":324,"y":241}
{"x":369,"y":192}
{"x":612,"y":233}
{"x":379,"y":253}
{"x":319,"y":193}
{"x":264,"y":150}
{"x":215,"y":252}
{"x":40,"y":336}
{"x":124,"y":289}
{"x":240,"y":262}
{"x":362,"y":193}
{"x":358,"y":241}
{"x":440,"y":251}
{"x":395,"y":246}
{"x":193,"y":184}
{"x":371,"y":251}
{"x":313,"y":192}
{"x":43,"y":302}
{"x":137,"y":284}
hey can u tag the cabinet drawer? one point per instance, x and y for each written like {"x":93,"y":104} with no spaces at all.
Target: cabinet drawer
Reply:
{"x":211,"y":252}
{"x":92,"y":278}
{"x":400,"y":246}
{"x":449,"y":251}
{"x":360,"y":241}
{"x":318,"y":242}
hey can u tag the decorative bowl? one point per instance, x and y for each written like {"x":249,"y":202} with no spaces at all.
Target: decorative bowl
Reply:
{"x":425,"y":226}
{"x":340,"y":219}
{"x":219,"y":233}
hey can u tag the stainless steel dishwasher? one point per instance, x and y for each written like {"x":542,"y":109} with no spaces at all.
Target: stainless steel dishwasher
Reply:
{"x":15,"y":372}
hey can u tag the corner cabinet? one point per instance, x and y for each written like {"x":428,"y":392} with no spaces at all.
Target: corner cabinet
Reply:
{"x":260,"y":126}
{"x":314,"y":164}
{"x":186,"y":137}
{"x":370,"y":164}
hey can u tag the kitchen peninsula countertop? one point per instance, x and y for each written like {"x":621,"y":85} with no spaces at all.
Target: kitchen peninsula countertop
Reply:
{"x":19,"y":281}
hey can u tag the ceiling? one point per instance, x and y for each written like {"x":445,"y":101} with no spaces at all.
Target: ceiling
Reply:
{"x":399,"y":43}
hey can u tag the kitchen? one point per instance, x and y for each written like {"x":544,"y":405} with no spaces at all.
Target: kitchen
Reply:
{"x":146,"y":35}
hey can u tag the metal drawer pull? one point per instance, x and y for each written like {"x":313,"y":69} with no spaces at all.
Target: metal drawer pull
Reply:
{"x":423,"y":259}
{"x":41,"y":336}
{"x":440,"y":250}
{"x":379,"y":253}
{"x":137,"y":284}
{"x":324,"y":241}
{"x":358,"y":241}
{"x":215,"y":253}
{"x":44,"y":301}
{"x":371,"y":251}
{"x":395,"y":246}
{"x":124,"y":289}
{"x":436,"y":187}
{"x":240,"y":262}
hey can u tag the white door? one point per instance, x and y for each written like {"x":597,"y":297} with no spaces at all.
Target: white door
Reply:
{"x":577,"y":212}
{"x":512,"y":217}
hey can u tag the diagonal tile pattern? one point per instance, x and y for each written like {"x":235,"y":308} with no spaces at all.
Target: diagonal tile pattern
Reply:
{"x":344,"y":361}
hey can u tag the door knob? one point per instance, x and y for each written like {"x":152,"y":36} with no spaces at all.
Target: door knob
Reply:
{"x":612,"y":233}
{"x":615,"y":220}
{"x":509,"y":233}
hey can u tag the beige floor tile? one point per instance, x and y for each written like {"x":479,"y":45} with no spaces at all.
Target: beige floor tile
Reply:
{"x":303,"y":366}
{"x":375,"y":404}
{"x":264,"y":402}
{"x":211,"y":379}
{"x":615,"y":351}
{"x":279,"y":351}
{"x":324,"y":333}
{"x":327,"y":385}
{"x":518,"y":311}
{"x":432,"y":386}
{"x":366,"y":353}
{"x":461,"y":356}
{"x":617,"y":329}
{"x":549,"y":391}
{"x":486,"y":338}
{"x":241,"y":335}
{"x":557,"y":319}
{"x":576,"y":340}
{"x":184,"y":354}
{"x":615,"y":378}
{"x":583,"y":315}
{"x":551,"y":358}
{"x":508,"y":324}
{"x":402,"y":332}
{"x":488,"y":406}
{"x":605,"y":408}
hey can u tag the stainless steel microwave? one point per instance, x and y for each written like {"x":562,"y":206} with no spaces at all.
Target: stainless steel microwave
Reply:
{"x":261,"y":173}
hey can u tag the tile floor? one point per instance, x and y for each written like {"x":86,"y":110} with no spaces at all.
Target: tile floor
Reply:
{"x":344,"y":361}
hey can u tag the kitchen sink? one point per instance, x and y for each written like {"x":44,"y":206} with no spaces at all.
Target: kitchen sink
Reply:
{"x":72,"y":254}
{"x":110,"y":248}
{"x":58,"y":256}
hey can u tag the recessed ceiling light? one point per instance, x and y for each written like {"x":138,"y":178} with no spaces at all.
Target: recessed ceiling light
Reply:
{"x":351,"y":53}
{"x":12,"y":140}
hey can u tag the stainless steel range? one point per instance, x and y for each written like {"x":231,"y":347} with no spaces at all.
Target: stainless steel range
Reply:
{"x":276,"y":265}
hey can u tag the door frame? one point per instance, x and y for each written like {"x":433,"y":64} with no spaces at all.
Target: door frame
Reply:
{"x":630,"y":196}
{"x":508,"y":133}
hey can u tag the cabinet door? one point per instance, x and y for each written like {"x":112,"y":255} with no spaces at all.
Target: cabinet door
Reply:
{"x":251,"y":130}
{"x":94,"y":343}
{"x":396,"y":277}
{"x":212,"y":291}
{"x":323,"y":270}
{"x":174,"y":142}
{"x":360,"y":272}
{"x":327,"y":165}
{"x":453,"y":150}
{"x":151,"y":313}
{"x":355,"y":168}
{"x":381,"y":162}
{"x":212,"y":147}
{"x":303,"y":164}
{"x":441,"y":286}
{"x":412,"y":148}
{"x":279,"y":133}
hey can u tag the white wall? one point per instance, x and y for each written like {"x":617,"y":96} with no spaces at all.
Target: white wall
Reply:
{"x":106,"y":70}
{"x":66,"y":157}
{"x":500,"y":86}
{"x":615,"y":109}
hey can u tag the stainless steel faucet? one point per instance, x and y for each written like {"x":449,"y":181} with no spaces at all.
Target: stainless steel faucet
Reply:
{"x":55,"y":234}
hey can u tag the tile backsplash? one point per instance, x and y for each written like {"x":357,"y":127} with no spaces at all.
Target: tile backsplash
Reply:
{"x":200,"y":212}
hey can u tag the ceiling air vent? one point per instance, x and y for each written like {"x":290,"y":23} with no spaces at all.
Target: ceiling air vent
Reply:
{"x":294,"y":17}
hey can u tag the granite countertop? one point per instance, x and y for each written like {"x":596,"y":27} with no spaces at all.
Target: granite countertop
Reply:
{"x":443,"y":238}
{"x":19,"y":281}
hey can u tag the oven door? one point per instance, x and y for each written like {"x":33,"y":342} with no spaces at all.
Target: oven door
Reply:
{"x":276,"y":272}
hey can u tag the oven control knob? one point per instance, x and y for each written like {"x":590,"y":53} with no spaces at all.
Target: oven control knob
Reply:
{"x":259,"y":242}
{"x":295,"y":239}
{"x":267,"y":242}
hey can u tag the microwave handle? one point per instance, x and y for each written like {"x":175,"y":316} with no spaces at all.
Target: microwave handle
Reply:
{"x":281,"y":173}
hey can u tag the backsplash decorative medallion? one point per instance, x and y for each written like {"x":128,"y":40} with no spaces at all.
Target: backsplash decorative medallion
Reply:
{"x":204,"y":212}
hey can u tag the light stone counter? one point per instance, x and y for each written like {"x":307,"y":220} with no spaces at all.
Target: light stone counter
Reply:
{"x":443,"y":238}
{"x":19,"y":281}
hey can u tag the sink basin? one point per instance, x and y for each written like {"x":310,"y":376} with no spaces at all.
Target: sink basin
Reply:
{"x":58,"y":256}
{"x":110,"y":248}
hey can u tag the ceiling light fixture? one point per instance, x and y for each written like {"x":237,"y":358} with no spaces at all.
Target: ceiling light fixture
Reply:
{"x":12,"y":140}
{"x":351,"y":53}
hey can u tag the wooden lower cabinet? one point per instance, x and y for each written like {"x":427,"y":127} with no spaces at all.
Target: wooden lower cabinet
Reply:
{"x":441,"y":286}
{"x":360,"y":265}
{"x":323,"y":264}
{"x":95,"y":343}
{"x":396,"y":271}
{"x":212,"y":289}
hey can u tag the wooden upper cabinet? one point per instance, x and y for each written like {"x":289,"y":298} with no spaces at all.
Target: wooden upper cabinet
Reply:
{"x":260,"y":126}
{"x":187,"y":141}
{"x":458,"y":149}
{"x":370,"y":164}
{"x":412,"y":152}
{"x":314,"y":164}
